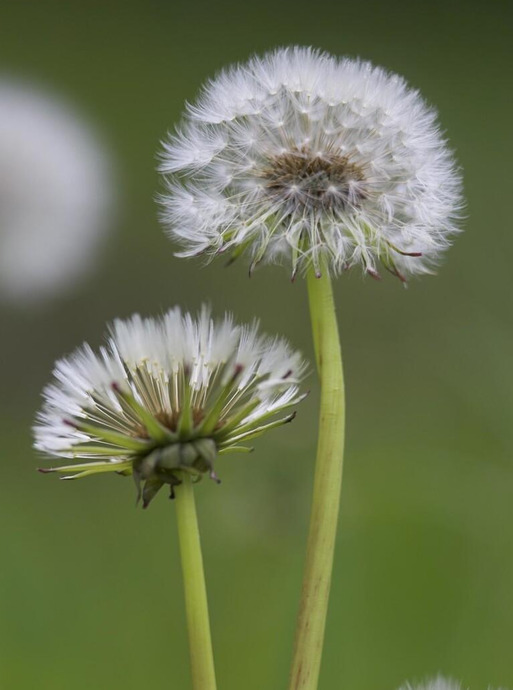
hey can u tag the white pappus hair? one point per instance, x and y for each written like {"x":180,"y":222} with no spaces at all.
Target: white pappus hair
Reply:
{"x":301,"y":156}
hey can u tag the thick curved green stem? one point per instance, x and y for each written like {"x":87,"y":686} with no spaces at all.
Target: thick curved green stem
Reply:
{"x":200,"y":643}
{"x":327,"y":485}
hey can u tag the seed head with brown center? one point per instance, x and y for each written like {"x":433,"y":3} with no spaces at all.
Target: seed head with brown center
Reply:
{"x":301,"y":156}
{"x":314,"y":181}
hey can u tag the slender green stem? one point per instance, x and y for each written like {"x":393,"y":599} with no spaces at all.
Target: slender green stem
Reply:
{"x":200,"y":643}
{"x":327,"y":485}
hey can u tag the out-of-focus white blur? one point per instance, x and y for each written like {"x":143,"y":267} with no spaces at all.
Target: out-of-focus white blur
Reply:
{"x":56,"y":195}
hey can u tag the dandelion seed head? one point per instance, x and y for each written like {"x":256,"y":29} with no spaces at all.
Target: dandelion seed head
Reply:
{"x":303,"y":157}
{"x":166,"y":396}
{"x":436,"y":683}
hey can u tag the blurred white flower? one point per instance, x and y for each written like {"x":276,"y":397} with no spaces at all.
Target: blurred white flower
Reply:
{"x":303,"y":156}
{"x":56,"y":194}
{"x":437,"y":683}
{"x":166,"y":396}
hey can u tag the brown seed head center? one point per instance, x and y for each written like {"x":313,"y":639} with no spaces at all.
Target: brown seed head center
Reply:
{"x":320,"y":180}
{"x":170,"y":421}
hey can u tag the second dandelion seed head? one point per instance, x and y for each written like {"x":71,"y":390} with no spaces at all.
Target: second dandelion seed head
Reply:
{"x":166,"y":397}
{"x":320,"y":161}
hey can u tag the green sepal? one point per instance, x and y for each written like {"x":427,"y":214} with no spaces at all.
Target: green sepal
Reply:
{"x":150,"y":489}
{"x":235,"y":449}
{"x":206,"y":454}
{"x":185,"y":422}
{"x":114,"y":437}
{"x":238,"y":251}
{"x":91,"y":468}
{"x":210,"y":422}
{"x":259,"y":255}
{"x":80,"y":449}
{"x":258,"y":431}
{"x":146,"y":465}
{"x":251,"y":425}
{"x":166,"y":459}
{"x":188,"y":455}
{"x":234,"y":420}
{"x":157,"y":431}
{"x":298,"y":249}
{"x":126,"y":472}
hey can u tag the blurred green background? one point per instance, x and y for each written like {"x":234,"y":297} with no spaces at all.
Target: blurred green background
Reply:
{"x":91,"y":592}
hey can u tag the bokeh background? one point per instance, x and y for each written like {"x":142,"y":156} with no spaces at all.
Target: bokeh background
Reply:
{"x":91,"y":592}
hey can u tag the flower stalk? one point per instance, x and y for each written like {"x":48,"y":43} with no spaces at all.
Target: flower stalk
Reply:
{"x":196,"y":606}
{"x":327,"y":486}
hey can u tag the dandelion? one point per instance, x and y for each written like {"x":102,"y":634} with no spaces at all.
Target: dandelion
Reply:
{"x":437,"y":683}
{"x":326,"y":164}
{"x":56,"y":192}
{"x":166,"y":397}
{"x":160,"y":402}
{"x":303,"y":157}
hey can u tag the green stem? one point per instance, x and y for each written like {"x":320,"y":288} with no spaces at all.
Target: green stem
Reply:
{"x":327,"y":485}
{"x":200,"y":643}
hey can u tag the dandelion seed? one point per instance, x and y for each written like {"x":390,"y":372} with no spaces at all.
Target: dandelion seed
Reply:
{"x":303,"y":157}
{"x":166,"y":396}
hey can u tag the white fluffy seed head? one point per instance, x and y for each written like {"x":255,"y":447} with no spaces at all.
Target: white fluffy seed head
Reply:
{"x":316,"y":160}
{"x":166,"y":395}
{"x":437,"y":683}
{"x":56,"y":195}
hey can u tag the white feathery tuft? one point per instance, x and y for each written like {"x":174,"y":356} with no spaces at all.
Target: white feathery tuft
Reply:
{"x":303,"y":156}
